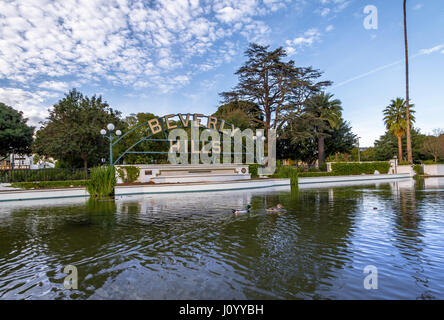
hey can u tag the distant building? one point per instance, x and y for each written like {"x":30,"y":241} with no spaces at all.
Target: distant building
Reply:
{"x":19,"y":162}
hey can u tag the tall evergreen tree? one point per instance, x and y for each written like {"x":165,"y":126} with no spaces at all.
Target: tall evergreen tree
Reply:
{"x":279,"y":88}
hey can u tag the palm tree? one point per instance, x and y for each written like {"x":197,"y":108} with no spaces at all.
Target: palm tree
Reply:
{"x":395,"y":120}
{"x":323,"y":115}
{"x":407,"y":109}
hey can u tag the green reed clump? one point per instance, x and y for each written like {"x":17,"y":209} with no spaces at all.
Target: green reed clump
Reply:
{"x":102,"y":182}
{"x":288,"y":172}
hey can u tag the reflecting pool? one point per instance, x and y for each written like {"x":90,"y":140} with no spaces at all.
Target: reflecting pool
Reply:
{"x":191,"y":246}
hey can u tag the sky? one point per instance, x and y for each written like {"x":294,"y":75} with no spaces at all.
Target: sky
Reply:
{"x":177,"y":56}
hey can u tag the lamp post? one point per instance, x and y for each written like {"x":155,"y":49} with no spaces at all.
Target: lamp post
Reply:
{"x":359,"y":151}
{"x":111,"y":138}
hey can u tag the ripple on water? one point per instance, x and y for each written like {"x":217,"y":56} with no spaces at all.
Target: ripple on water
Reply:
{"x":193,"y":247}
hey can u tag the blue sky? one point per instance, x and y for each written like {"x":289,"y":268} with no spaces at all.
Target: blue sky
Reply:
{"x":176,"y":56}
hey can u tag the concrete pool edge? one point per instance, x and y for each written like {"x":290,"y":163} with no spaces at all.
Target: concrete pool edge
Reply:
{"x":354,"y":178}
{"x":23,"y":195}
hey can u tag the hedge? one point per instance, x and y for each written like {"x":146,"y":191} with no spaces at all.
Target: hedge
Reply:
{"x":48,"y":174}
{"x":253,"y":170}
{"x":50,"y":184}
{"x":355,"y":168}
{"x":132,"y":173}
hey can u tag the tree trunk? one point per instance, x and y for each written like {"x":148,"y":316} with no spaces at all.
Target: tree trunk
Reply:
{"x":409,"y":138}
{"x":399,"y":148}
{"x":85,"y":162}
{"x":321,"y":151}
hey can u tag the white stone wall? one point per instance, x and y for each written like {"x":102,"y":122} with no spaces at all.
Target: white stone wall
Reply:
{"x":434,"y":169}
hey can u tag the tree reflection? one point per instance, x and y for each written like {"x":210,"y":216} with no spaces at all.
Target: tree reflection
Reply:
{"x":293,"y":255}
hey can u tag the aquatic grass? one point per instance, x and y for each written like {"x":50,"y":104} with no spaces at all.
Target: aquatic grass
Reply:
{"x":102,"y":182}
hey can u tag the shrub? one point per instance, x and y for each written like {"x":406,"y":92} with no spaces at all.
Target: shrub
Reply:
{"x":48,"y":174}
{"x":418,"y":169}
{"x":128,"y":174}
{"x":102,"y":182}
{"x":253,"y":170}
{"x":121,"y":174}
{"x":132,"y":173}
{"x":49,"y":184}
{"x":355,"y":168}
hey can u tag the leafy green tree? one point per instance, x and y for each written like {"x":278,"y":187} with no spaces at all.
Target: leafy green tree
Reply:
{"x":387,"y":146}
{"x":279,"y":88}
{"x":71,"y":132}
{"x":395,"y":120}
{"x":15,"y":134}
{"x":341,"y":140}
{"x":242,"y":114}
{"x":321,"y":115}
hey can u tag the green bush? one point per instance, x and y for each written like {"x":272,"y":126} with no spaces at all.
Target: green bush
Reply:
{"x":49,"y":184}
{"x":48,"y":174}
{"x":355,"y":168}
{"x":315,"y":174}
{"x":128,"y":174}
{"x":102,"y":182}
{"x":418,"y":169}
{"x":121,"y":174}
{"x":132,"y":173}
{"x":253,"y":170}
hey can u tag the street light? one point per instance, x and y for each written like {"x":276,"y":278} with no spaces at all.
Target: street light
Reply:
{"x":111,"y":138}
{"x":359,"y":151}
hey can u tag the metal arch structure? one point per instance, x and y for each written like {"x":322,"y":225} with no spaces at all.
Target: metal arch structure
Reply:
{"x":164,"y":131}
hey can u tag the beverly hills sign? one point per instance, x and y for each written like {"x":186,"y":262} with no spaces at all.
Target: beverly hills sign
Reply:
{"x":199,"y":139}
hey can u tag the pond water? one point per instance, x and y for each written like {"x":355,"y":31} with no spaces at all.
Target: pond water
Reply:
{"x":190,"y":246}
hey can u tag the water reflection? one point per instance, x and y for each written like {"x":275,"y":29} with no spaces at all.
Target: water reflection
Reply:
{"x":191,"y":246}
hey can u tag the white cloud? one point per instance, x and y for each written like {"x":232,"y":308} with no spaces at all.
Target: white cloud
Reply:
{"x":125,"y":42}
{"x":31,"y":103}
{"x":329,"y":28}
{"x":98,"y":38}
{"x":54,"y":85}
{"x":431,"y":50}
{"x":306,"y":40}
{"x":325,"y":11}
{"x":335,"y":6}
{"x":418,"y":6}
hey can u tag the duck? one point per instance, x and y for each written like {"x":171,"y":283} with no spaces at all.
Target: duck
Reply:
{"x":278,"y":208}
{"x":246,"y":210}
